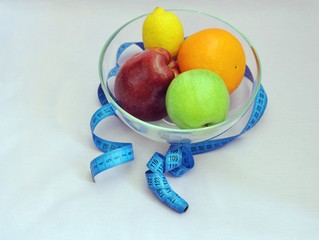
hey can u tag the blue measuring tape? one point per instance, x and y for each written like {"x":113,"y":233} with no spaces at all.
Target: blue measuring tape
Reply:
{"x":115,"y":153}
{"x":179,"y":157}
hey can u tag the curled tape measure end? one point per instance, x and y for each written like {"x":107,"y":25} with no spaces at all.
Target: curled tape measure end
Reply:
{"x":160,"y":187}
{"x":177,"y":161}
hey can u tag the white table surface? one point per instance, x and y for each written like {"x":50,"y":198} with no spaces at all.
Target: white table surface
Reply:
{"x":264,"y":185}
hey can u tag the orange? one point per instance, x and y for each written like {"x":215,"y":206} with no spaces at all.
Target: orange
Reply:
{"x":217,"y":50}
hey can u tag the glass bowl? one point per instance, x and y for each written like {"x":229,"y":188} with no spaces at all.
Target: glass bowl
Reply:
{"x":126,"y":41}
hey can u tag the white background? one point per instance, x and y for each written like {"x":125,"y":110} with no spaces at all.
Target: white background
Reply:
{"x":264,"y":185}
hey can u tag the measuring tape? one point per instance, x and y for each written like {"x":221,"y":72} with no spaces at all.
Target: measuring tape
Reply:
{"x":179,"y":157}
{"x":115,"y":153}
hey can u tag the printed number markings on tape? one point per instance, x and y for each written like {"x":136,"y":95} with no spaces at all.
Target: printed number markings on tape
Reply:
{"x":179,"y":158}
{"x":115,"y":153}
{"x":177,"y":161}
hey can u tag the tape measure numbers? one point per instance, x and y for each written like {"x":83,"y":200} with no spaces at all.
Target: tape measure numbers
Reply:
{"x":115,"y":153}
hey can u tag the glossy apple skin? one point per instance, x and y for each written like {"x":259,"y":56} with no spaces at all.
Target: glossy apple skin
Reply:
{"x":142,"y":81}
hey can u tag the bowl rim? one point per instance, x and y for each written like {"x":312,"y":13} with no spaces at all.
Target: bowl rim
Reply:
{"x":226,"y":122}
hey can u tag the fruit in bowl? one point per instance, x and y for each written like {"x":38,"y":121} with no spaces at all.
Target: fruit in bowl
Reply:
{"x":141,"y":84}
{"x":197,"y":98}
{"x":167,"y":129}
{"x":163,"y":29}
{"x":217,"y":50}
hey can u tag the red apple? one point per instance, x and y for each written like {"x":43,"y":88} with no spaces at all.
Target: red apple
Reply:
{"x":142,"y":81}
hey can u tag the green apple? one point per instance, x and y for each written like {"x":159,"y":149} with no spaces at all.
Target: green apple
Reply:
{"x":197,"y":98}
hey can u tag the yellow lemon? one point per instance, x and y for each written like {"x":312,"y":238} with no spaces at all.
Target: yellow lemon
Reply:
{"x":163,"y":29}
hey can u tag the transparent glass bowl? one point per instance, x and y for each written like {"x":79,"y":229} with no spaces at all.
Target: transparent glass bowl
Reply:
{"x":164,"y":130}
